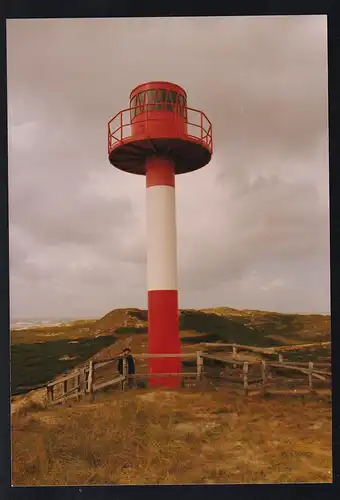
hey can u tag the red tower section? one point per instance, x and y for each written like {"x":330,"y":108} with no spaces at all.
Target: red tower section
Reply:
{"x":159,"y":136}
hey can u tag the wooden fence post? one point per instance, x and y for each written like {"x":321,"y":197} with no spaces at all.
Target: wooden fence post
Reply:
{"x":50,"y":395}
{"x":78,"y":386}
{"x":86,"y":381}
{"x":182,"y":381}
{"x":280,"y":358}
{"x":245,"y":376}
{"x":83,"y":381}
{"x":199,"y":365}
{"x":125,"y":373}
{"x":264,"y":375}
{"x":310,"y":375}
{"x":234,"y":351}
{"x":65,"y":390}
{"x":90,"y":379}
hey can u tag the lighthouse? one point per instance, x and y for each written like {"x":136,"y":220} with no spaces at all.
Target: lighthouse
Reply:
{"x":159,"y":136}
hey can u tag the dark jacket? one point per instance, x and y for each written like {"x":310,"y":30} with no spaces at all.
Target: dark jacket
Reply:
{"x":130,"y":364}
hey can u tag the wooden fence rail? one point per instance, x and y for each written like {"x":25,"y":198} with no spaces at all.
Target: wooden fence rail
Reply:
{"x":84,"y":379}
{"x":278,"y":350}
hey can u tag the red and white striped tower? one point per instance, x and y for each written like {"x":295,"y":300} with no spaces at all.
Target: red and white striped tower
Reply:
{"x":159,"y":136}
{"x":162,"y":268}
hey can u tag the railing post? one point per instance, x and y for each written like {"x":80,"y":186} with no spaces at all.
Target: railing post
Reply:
{"x":245,"y":377}
{"x":264,"y":375}
{"x":199,"y":362}
{"x":90,"y":379}
{"x":78,"y":386}
{"x":310,"y":376}
{"x":83,"y":381}
{"x":234,"y":351}
{"x":125,"y":373}
{"x":86,"y":381}
{"x":65,"y":389}
{"x":280,"y":358}
{"x":50,"y":393}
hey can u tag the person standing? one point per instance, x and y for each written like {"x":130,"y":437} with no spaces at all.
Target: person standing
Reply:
{"x":131,"y":368}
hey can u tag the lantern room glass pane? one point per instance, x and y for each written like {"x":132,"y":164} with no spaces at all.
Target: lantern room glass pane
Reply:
{"x":171,"y":100}
{"x":182,"y":106}
{"x":133,"y":105}
{"x":163,"y":95}
{"x":140,"y":103}
{"x":151,"y":96}
{"x":158,"y":99}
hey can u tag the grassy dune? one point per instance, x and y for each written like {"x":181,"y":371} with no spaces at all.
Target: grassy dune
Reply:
{"x":165,"y":437}
{"x":174,"y":438}
{"x":37,"y":363}
{"x":40,"y":354}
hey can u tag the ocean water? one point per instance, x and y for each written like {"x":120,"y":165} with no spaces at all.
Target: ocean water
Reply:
{"x":23,"y":323}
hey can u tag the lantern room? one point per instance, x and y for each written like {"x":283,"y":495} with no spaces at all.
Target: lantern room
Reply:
{"x":158,"y":122}
{"x":158,"y":109}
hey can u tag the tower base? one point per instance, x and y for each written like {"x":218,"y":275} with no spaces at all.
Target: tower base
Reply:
{"x":163,"y":338}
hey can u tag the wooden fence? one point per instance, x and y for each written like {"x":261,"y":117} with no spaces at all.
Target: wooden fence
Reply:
{"x":270,"y":351}
{"x":85,"y":380}
{"x":264,"y":375}
{"x":247,"y":374}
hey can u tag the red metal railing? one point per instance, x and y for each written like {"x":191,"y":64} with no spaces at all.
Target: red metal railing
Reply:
{"x":198,"y":125}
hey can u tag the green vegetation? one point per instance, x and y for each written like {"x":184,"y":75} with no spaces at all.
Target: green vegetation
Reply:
{"x":315,"y":354}
{"x":40,"y":354}
{"x":221,"y":328}
{"x":261,"y":329}
{"x":129,"y":329}
{"x":37,"y":363}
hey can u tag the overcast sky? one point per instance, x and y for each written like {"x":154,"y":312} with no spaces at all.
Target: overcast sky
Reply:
{"x":253,"y":225}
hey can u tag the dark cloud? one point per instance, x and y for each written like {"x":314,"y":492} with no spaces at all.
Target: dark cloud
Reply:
{"x":252,"y":226}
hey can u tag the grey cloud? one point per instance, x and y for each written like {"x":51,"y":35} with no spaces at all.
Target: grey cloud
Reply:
{"x":78,"y":225}
{"x":271,"y":220}
{"x":74,"y":219}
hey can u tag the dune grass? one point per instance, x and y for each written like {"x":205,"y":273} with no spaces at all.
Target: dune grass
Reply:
{"x":164,"y":437}
{"x":37,"y":363}
{"x":262,"y":329}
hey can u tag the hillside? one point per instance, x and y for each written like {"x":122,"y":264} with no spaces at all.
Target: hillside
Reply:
{"x":40,"y":354}
{"x":165,"y":437}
